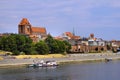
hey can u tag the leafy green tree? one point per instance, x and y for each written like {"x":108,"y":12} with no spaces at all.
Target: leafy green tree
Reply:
{"x":24,"y":44}
{"x":51,"y":44}
{"x":16,"y":43}
{"x":7,"y":43}
{"x":54,"y":47}
{"x":57,"y":46}
{"x":33,"y":49}
{"x":2,"y":43}
{"x":11,"y":43}
{"x":41,"y":47}
{"x":61,"y":46}
{"x":67,"y":46}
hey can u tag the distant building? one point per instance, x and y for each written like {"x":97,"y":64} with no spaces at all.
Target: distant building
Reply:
{"x":69,"y":35}
{"x":90,"y":44}
{"x":35,"y":33}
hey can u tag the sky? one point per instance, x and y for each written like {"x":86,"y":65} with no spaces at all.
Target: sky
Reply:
{"x":101,"y":17}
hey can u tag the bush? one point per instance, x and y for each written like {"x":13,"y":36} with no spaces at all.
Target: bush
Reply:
{"x":16,"y":52}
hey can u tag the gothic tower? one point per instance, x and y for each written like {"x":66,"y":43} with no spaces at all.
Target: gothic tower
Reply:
{"x":24,"y":27}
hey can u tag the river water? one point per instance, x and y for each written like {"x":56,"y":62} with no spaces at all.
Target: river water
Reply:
{"x":69,"y":71}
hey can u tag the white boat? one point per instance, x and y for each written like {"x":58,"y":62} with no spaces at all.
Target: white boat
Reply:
{"x":35,"y":65}
{"x":50,"y":63}
{"x":44,"y":64}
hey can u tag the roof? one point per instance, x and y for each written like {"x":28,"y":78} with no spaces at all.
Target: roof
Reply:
{"x":24,"y":21}
{"x":69,"y":34}
{"x":75,"y":37}
{"x":38,"y":30}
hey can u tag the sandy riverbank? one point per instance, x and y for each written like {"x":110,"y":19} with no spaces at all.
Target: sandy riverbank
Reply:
{"x":67,"y":58}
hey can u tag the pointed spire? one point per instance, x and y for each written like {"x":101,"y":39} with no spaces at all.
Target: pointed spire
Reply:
{"x":24,"y":21}
{"x":73,"y":31}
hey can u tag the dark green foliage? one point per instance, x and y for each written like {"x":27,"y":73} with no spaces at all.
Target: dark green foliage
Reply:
{"x":51,"y":43}
{"x":61,"y":46}
{"x":67,"y":46}
{"x":16,"y":44}
{"x":57,"y":46}
{"x":41,"y":47}
{"x":22,"y":44}
{"x":33,"y":50}
{"x":16,"y":52}
{"x":7,"y":43}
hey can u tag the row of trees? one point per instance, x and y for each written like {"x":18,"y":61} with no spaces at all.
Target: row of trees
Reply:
{"x":20,"y":44}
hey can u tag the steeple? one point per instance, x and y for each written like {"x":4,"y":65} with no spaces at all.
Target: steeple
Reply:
{"x":24,"y":21}
{"x":24,"y":27}
{"x":73,"y":31}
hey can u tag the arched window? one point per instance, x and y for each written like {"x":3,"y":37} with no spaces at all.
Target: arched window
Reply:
{"x":102,"y":49}
{"x":28,"y":28}
{"x":96,"y":49}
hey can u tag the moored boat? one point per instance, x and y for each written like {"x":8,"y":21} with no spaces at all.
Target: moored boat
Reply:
{"x":44,"y":64}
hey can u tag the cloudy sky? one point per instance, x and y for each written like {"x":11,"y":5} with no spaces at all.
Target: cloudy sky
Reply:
{"x":101,"y":17}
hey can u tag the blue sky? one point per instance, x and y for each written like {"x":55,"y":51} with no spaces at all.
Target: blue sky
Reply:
{"x":101,"y":17}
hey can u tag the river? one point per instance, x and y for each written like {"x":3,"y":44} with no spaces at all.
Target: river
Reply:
{"x":69,"y":71}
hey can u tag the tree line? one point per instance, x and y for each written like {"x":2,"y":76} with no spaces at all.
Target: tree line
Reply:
{"x":21,"y":44}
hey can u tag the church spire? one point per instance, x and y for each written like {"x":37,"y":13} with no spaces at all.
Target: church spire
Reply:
{"x":73,"y":31}
{"x":24,"y":21}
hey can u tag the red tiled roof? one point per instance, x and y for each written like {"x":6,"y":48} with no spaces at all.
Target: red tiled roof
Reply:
{"x":75,"y":37}
{"x":24,"y":21}
{"x":69,"y":34}
{"x":38,"y":30}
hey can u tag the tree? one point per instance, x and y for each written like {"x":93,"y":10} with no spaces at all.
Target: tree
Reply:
{"x":8,"y":43}
{"x":41,"y":47}
{"x":16,"y":43}
{"x":57,"y":46}
{"x":61,"y":46}
{"x":24,"y":43}
{"x":67,"y":46}
{"x":51,"y":44}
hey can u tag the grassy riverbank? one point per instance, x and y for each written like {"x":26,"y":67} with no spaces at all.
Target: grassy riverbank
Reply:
{"x":40,"y":56}
{"x":70,"y":58}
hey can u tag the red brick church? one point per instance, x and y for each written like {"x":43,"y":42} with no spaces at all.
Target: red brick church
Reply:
{"x":35,"y":33}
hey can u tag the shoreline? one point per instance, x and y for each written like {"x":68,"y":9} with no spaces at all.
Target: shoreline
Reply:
{"x":70,"y":58}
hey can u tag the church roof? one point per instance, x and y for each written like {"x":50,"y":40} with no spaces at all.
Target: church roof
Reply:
{"x":38,"y":30}
{"x":24,"y":21}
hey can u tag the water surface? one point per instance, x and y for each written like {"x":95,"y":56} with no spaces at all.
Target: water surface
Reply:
{"x":73,"y":71}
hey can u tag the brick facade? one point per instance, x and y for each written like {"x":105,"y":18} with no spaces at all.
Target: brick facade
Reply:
{"x":35,"y":33}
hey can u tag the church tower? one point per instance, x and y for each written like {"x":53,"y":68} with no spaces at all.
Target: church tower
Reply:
{"x":24,"y":27}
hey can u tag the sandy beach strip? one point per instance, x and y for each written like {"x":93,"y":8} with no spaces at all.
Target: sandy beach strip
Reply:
{"x":68,"y":58}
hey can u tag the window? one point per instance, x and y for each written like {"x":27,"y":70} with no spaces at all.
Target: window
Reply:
{"x":21,"y":29}
{"x":28,"y":28}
